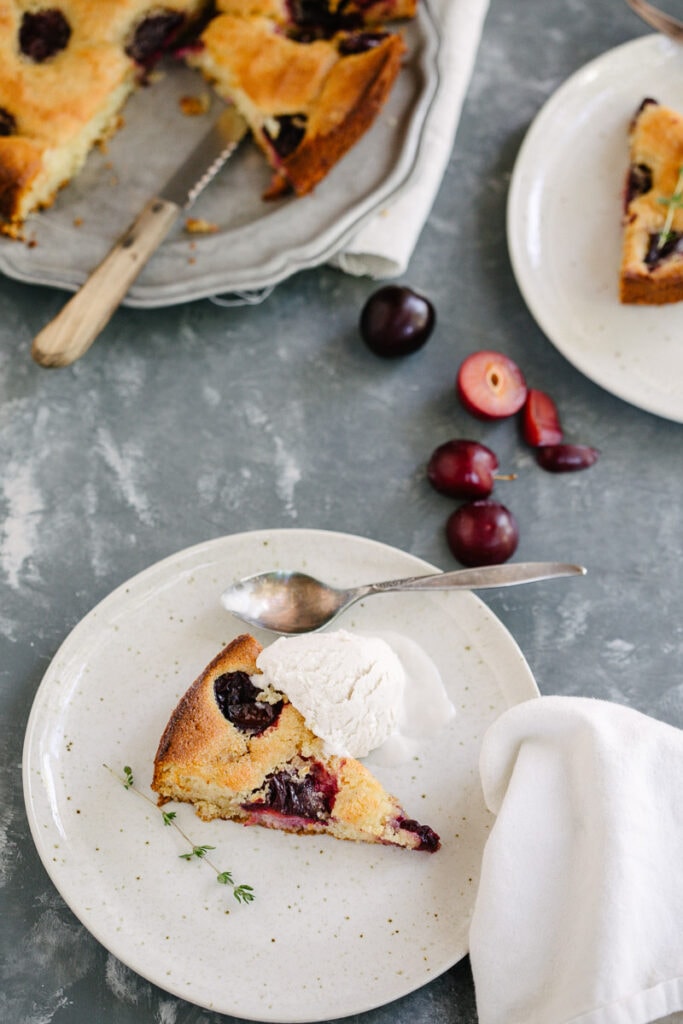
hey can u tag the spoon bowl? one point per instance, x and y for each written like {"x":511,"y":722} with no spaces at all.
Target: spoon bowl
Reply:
{"x":290,"y":602}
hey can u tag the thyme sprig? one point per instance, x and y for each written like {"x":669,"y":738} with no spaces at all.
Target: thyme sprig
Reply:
{"x":673,"y":202}
{"x":243,"y":893}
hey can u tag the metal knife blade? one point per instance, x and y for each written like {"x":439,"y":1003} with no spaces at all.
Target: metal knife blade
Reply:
{"x":76,"y":326}
{"x":206,"y":159}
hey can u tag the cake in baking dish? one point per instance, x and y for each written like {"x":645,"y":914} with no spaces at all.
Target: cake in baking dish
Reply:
{"x":652,"y":249}
{"x":309,"y":75}
{"x":238,"y":752}
{"x":66,"y":70}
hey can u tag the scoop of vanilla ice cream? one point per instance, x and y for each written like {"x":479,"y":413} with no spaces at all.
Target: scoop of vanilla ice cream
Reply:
{"x":348,"y":688}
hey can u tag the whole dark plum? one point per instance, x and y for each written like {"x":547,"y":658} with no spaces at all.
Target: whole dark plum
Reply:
{"x":396,"y":321}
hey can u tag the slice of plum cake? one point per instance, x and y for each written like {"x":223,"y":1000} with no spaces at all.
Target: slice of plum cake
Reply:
{"x":651,"y":270}
{"x":235,"y":751}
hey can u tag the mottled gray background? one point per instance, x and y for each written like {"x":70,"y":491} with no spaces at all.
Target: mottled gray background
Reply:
{"x":192,"y":422}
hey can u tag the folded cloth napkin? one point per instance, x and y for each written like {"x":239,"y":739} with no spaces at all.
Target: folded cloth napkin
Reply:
{"x":383,"y":246}
{"x":579,"y":911}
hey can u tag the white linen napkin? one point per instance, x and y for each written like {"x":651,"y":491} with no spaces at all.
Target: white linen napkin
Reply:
{"x":579,"y":911}
{"x":383,"y":247}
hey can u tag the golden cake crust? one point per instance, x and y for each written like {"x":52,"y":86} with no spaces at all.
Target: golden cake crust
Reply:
{"x":656,"y":157}
{"x":224,"y":771}
{"x":351,"y":98}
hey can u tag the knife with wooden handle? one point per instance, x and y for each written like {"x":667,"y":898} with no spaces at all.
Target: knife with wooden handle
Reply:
{"x":73,"y":330}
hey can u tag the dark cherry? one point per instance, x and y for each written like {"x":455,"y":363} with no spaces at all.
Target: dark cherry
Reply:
{"x":43,"y":33}
{"x":302,"y":795}
{"x":292,"y":128}
{"x":482,"y":533}
{"x":540,"y":419}
{"x":317,"y":14}
{"x":566,"y":458}
{"x":309,"y":10}
{"x":236,"y":697}
{"x":154,"y":35}
{"x":638,"y":182}
{"x":8,"y":125}
{"x":359,"y":42}
{"x":462,"y":469}
{"x":396,"y":321}
{"x":429,"y":840}
{"x":658,"y":250}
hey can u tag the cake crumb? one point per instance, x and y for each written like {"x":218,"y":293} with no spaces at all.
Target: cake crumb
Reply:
{"x":199,"y":226}
{"x":193,"y":106}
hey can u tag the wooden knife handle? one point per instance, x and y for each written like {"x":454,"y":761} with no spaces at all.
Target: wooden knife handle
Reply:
{"x":76,"y":326}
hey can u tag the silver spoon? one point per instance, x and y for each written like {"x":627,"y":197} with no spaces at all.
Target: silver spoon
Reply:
{"x":292,"y":602}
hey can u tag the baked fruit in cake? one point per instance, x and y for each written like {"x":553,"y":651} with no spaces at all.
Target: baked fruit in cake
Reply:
{"x":66,"y":70}
{"x":237,"y":752}
{"x":306,"y":102}
{"x":322,"y":14}
{"x":652,"y":248}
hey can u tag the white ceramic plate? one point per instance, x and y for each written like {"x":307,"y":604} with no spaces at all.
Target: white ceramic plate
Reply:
{"x":258,"y":243}
{"x":336,"y":928}
{"x":564,"y":227}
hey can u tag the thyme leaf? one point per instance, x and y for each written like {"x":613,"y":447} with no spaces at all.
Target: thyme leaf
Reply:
{"x":197,"y":851}
{"x":673,"y":202}
{"x":243,"y":893}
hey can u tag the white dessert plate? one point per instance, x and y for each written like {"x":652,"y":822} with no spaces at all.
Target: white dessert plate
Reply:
{"x":258,"y":243}
{"x":564,"y":227}
{"x":336,"y":928}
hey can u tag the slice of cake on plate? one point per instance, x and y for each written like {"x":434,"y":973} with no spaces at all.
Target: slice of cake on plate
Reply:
{"x":236,"y":751}
{"x":652,"y":249}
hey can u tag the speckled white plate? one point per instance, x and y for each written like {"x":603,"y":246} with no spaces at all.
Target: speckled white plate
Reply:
{"x":336,"y":928}
{"x":564,"y":227}
{"x":258,"y":243}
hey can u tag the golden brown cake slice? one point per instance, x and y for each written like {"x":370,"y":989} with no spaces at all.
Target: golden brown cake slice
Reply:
{"x":66,"y":70}
{"x":307,"y":103}
{"x":652,"y":248}
{"x":235,"y":751}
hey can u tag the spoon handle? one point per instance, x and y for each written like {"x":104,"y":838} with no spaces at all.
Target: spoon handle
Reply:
{"x":483,"y":577}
